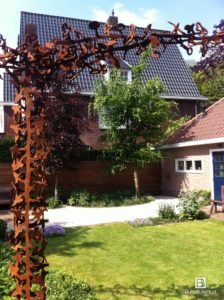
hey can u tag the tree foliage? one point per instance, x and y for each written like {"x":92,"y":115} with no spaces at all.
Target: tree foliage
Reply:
{"x":211,"y":82}
{"x":137,"y":118}
{"x":65,"y":121}
{"x":6,"y":143}
{"x":209,"y":72}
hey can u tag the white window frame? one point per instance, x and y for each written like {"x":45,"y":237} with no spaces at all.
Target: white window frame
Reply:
{"x":102,"y":125}
{"x":127,"y":79}
{"x":193,"y":159}
{"x":2,"y":120}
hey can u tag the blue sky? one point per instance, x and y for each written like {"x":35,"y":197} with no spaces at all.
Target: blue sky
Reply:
{"x":140,"y":13}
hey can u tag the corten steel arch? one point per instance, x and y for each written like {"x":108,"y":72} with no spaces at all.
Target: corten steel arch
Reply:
{"x":34,"y":69}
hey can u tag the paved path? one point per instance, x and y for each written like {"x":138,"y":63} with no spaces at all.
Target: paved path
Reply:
{"x":79,"y":216}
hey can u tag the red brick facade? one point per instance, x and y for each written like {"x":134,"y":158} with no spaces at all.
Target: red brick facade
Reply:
{"x":91,"y":136}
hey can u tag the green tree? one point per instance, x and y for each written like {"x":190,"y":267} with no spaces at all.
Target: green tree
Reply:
{"x":6,"y":143}
{"x":211,"y":82}
{"x":138,"y":120}
{"x":208,"y":73}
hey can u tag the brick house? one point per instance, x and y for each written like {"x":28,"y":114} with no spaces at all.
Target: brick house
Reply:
{"x":195,"y":154}
{"x":170,"y":68}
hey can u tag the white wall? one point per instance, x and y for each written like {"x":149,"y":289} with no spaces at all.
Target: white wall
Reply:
{"x":2,"y":121}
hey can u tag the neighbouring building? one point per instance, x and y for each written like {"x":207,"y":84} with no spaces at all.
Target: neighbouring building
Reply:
{"x":170,"y":68}
{"x":195,"y":155}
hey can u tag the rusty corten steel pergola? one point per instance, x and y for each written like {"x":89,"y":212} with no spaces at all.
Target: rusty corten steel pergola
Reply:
{"x":34,"y":68}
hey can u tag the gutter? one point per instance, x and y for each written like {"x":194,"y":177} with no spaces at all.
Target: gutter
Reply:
{"x":185,"y":98}
{"x":165,"y":97}
{"x":194,"y":143}
{"x":6,"y":103}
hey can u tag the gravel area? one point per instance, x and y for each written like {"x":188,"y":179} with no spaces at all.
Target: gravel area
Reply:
{"x":69,"y":216}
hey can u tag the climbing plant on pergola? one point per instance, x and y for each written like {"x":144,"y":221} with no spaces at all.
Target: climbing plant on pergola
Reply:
{"x":34,"y":69}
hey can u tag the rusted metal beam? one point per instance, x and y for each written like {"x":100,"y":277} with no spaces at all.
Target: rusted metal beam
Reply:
{"x":34,"y":69}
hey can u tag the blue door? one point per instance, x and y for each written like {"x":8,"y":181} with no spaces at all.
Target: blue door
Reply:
{"x":218,"y":174}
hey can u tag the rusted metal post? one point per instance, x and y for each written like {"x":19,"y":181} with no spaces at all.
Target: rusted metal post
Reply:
{"x":33,"y":69}
{"x":28,"y":204}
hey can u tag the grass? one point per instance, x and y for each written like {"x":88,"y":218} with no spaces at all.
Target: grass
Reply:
{"x":161,"y":262}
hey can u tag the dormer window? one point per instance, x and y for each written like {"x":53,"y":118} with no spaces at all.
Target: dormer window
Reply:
{"x":126,"y":74}
{"x":124,"y":70}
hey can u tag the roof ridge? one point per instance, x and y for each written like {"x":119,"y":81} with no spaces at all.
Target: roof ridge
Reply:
{"x":85,"y":20}
{"x":54,"y":16}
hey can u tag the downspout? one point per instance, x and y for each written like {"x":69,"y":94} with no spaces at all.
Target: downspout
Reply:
{"x":196,"y":108}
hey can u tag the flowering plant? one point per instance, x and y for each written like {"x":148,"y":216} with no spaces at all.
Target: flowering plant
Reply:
{"x":54,"y":230}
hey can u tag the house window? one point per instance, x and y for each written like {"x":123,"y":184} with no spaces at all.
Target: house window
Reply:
{"x":2,"y":127}
{"x":198,"y":165}
{"x":125,"y":75}
{"x":188,"y":165}
{"x":180,"y":165}
{"x":102,"y":124}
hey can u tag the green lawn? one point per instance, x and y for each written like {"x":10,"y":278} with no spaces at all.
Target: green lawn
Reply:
{"x":161,"y":262}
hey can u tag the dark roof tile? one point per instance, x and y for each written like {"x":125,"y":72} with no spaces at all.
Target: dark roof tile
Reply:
{"x":171,"y":67}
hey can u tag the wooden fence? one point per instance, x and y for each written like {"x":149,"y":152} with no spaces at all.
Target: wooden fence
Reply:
{"x":93,"y":176}
{"x":6,"y":179}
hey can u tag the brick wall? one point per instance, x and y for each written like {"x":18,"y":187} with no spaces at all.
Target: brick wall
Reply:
{"x":174,"y":182}
{"x":91,"y":136}
{"x":186,"y":107}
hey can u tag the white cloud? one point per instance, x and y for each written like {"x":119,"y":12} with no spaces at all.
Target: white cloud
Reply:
{"x":141,"y":18}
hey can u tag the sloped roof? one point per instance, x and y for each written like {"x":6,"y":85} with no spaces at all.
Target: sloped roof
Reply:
{"x":171,"y":67}
{"x":8,"y":89}
{"x":208,"y":125}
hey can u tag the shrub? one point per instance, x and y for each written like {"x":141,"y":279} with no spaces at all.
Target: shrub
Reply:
{"x":117,"y":198}
{"x":79,"y":198}
{"x":54,"y":230}
{"x":202,"y":215}
{"x":64,"y":286}
{"x":6,"y":282}
{"x":5,"y":144}
{"x":167,"y":211}
{"x":191,"y":202}
{"x":153,"y":221}
{"x":52,"y":202}
{"x":3,"y":229}
{"x":60,"y":285}
{"x":204,"y":197}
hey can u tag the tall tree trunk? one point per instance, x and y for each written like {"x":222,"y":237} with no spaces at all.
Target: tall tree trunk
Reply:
{"x":136,"y":181}
{"x":56,"y":186}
